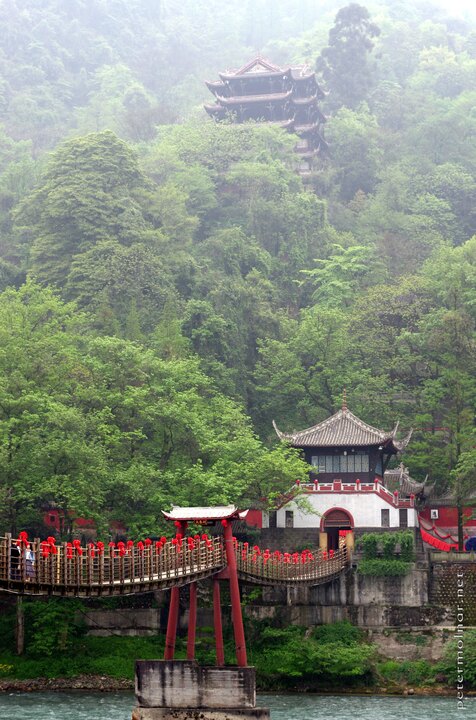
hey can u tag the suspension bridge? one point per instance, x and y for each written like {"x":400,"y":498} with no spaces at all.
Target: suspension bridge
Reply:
{"x":70,"y":569}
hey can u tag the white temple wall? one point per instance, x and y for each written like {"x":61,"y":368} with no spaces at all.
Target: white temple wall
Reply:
{"x":365,"y":508}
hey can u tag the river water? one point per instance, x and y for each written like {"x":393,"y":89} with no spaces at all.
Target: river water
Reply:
{"x":118,"y":706}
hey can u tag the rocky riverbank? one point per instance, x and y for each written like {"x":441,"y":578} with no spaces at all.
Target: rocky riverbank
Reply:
{"x":95,"y":683}
{"x":102,"y":683}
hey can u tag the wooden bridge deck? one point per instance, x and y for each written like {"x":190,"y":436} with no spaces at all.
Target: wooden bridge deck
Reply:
{"x":86,"y":572}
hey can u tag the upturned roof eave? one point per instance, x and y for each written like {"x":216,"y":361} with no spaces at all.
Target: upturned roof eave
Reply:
{"x":375,"y":437}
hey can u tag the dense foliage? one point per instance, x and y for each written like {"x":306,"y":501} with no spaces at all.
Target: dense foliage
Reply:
{"x":171,"y":285}
{"x":378,"y":553}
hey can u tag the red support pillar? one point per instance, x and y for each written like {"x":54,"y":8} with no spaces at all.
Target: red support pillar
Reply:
{"x":172,"y":624}
{"x":220,"y":653}
{"x":173,"y":610}
{"x":236,"y":615}
{"x":192,"y":622}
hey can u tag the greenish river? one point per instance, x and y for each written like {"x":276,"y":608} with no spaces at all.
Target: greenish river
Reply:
{"x":118,"y":706}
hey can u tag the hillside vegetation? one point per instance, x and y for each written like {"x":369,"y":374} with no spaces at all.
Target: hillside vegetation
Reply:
{"x":170,"y":285}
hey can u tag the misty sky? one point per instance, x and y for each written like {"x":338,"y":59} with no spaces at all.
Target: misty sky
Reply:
{"x":463,"y":6}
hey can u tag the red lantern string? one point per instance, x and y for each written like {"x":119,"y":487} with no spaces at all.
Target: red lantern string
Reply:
{"x":22,"y":540}
{"x":51,"y":541}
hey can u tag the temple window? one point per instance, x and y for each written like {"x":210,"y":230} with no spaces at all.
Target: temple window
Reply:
{"x":385,"y":517}
{"x":344,"y":463}
{"x":403,"y":512}
{"x":289,"y":519}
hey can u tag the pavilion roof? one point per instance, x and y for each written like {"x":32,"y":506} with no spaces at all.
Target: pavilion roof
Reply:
{"x":191,"y":514}
{"x":399,"y":479}
{"x":257,"y":67}
{"x":343,"y":429}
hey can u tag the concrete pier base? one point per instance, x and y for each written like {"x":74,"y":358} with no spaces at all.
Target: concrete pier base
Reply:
{"x":200,"y":714}
{"x":185,"y":690}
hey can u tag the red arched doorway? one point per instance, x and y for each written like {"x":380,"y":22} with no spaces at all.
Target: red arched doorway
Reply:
{"x":334,"y":520}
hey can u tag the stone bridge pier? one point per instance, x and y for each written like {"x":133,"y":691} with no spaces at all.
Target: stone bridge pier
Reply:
{"x":185,"y":690}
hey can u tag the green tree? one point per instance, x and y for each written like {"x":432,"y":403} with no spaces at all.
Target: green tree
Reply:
{"x":344,"y":64}
{"x":90,"y":194}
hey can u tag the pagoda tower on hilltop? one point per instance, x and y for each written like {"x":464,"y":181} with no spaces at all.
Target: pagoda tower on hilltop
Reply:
{"x":263,"y":92}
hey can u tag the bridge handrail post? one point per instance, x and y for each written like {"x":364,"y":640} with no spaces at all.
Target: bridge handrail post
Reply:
{"x":8,"y":550}
{"x":37,"y":559}
{"x":111,"y":567}
{"x":168,"y":559}
{"x":101,"y":569}
{"x":23,"y":563}
{"x":121,"y":569}
{"x":89,"y":567}
{"x":64,"y":565}
{"x":3,"y":559}
{"x":150,"y":561}
{"x":51,"y":569}
{"x":141,"y":563}
{"x":132,"y":564}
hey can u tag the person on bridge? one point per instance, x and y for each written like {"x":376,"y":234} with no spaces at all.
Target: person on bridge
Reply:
{"x":29,"y":564}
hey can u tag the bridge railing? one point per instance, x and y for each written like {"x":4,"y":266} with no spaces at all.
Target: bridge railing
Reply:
{"x":71,"y":569}
{"x":287,"y":568}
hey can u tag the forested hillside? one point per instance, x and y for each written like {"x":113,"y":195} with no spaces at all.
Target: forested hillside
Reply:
{"x":170,"y":285}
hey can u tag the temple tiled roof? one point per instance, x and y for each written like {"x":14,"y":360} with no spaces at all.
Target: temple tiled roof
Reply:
{"x":343,"y":429}
{"x":399,"y":479}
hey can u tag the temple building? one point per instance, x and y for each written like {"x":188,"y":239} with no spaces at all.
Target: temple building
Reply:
{"x":351,"y":488}
{"x":263,"y":92}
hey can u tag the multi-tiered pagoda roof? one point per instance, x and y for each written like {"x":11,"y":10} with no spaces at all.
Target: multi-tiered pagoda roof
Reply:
{"x":263,"y":92}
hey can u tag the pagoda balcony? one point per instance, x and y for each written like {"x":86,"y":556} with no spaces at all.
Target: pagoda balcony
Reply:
{"x":357,"y":487}
{"x":246,"y":99}
{"x":305,"y":100}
